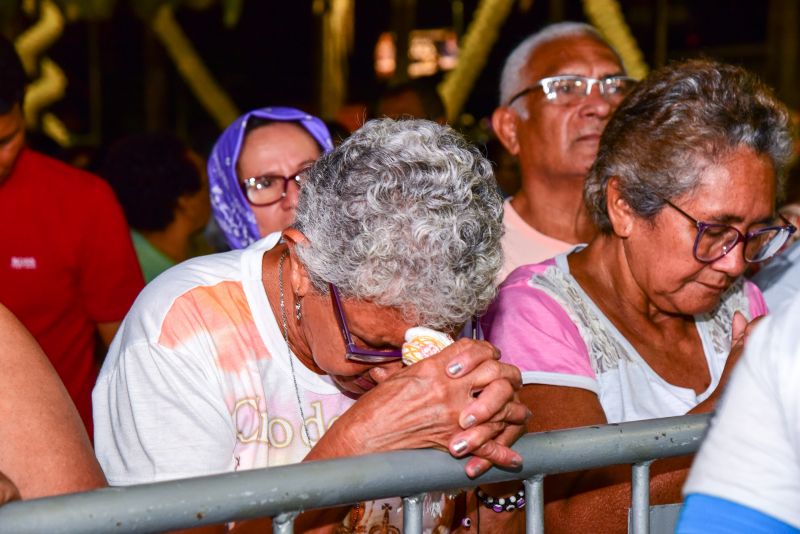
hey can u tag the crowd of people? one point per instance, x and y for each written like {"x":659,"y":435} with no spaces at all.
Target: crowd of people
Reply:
{"x":620,"y":282}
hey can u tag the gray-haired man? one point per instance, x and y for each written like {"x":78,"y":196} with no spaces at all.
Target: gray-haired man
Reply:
{"x":558,"y":89}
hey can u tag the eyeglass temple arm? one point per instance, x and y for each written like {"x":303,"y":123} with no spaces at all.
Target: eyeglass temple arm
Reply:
{"x":521,"y":94}
{"x":340,"y":314}
{"x":791,"y":228}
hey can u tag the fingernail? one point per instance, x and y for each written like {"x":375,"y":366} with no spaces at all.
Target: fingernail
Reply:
{"x":516,"y":461}
{"x":530,"y":414}
{"x":472,"y":471}
{"x":455,"y":368}
{"x":469,"y":421}
{"x":460,"y":446}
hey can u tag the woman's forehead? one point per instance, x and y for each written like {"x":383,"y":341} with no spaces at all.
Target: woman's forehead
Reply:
{"x":739,"y":187}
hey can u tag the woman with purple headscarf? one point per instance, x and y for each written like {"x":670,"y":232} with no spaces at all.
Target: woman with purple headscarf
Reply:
{"x":254,"y":171}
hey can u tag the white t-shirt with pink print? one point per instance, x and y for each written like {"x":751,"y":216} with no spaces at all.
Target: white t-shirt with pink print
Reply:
{"x":198,"y":382}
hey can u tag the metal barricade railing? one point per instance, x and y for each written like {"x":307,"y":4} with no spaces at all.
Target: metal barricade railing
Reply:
{"x":282,"y":492}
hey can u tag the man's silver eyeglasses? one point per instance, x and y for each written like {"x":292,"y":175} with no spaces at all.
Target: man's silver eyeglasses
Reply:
{"x":571,"y":89}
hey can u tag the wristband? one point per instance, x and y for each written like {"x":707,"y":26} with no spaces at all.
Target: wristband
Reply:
{"x":502,"y":504}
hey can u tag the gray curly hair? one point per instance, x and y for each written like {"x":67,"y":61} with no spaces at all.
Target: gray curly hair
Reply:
{"x":679,"y":120}
{"x":405,"y":214}
{"x":512,"y":77}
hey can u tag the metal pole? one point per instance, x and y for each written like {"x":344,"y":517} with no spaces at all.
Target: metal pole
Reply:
{"x":412,"y":514}
{"x":284,"y":523}
{"x":268,"y":492}
{"x":534,"y":505}
{"x":640,"y":498}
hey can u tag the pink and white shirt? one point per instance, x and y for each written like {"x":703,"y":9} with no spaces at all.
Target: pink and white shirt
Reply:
{"x":545,"y":324}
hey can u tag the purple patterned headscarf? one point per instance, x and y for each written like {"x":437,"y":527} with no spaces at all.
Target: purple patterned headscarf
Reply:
{"x":231,"y":209}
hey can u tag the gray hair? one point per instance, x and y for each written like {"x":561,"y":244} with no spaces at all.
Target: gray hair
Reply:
{"x":512,"y":78}
{"x":681,"y":119}
{"x":405,"y":214}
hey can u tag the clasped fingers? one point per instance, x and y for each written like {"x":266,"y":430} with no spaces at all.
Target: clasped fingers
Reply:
{"x":465,"y":355}
{"x":497,"y":401}
{"x":496,"y":452}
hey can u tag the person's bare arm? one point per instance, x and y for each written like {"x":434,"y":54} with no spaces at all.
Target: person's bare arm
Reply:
{"x":8,"y":491}
{"x":596,"y":500}
{"x":44,"y":449}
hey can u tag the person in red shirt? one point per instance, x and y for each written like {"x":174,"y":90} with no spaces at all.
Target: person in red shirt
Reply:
{"x":68,"y":270}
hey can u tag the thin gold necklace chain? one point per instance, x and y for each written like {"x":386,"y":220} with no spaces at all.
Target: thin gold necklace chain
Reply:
{"x":288,"y":348}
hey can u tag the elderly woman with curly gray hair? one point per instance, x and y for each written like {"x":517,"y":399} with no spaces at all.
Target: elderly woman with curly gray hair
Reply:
{"x":274,"y":355}
{"x":648,"y":320}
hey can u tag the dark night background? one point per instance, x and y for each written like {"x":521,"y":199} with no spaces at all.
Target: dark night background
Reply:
{"x":269,"y":56}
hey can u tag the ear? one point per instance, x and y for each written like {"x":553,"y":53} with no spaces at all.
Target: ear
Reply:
{"x":504,"y":124}
{"x":620,"y":213}
{"x":301,"y":283}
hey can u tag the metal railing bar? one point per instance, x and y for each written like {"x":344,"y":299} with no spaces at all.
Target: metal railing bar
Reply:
{"x":321,"y":484}
{"x":534,"y":505}
{"x":412,"y":514}
{"x":640,"y":498}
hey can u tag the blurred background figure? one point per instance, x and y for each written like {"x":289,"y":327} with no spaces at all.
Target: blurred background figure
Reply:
{"x":254,"y":169}
{"x":68,"y":270}
{"x":162,"y":187}
{"x":417,"y":98}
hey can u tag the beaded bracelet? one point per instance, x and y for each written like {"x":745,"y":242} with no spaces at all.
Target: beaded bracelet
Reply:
{"x":502,"y":504}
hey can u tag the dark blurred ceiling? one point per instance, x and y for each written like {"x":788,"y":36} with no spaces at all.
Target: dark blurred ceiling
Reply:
{"x":270,"y":55}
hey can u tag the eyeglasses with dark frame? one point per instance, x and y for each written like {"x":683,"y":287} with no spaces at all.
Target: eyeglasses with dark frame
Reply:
{"x":364,"y":355}
{"x":268,"y":189}
{"x":568,"y":89}
{"x":716,"y":240}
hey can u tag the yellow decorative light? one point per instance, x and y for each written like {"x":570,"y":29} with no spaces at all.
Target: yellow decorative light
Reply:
{"x":607,"y":17}
{"x":36,"y":39}
{"x":51,"y":84}
{"x":56,"y":130}
{"x":476,"y":45}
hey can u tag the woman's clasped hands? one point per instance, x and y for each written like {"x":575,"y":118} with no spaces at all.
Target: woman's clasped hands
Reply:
{"x":462,"y":400}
